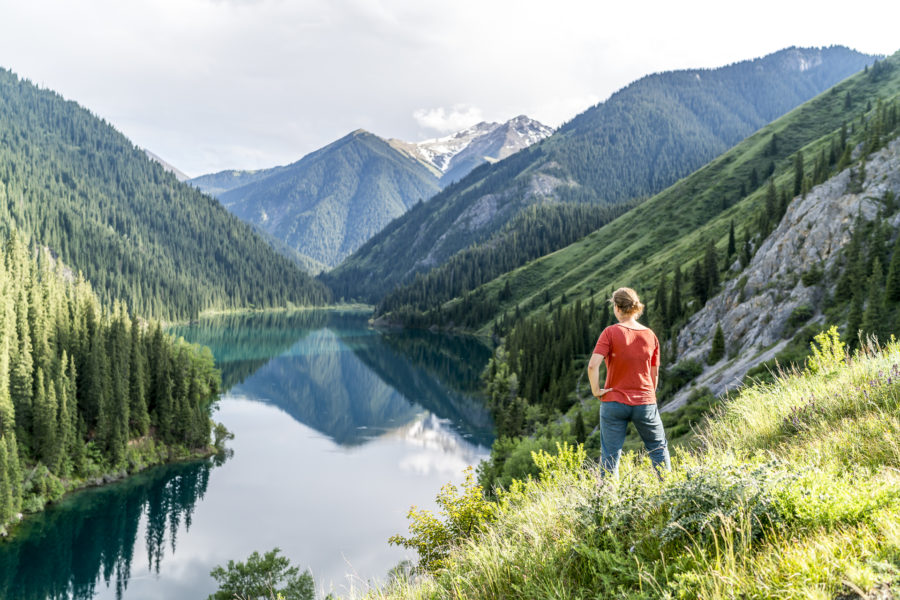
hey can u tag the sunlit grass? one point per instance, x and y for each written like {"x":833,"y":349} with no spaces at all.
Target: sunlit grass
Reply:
{"x":794,"y":492}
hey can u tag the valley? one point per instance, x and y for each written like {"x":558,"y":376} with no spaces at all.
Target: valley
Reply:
{"x":301,"y":356}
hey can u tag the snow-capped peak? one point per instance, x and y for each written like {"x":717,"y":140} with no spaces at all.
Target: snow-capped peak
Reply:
{"x":462,"y":151}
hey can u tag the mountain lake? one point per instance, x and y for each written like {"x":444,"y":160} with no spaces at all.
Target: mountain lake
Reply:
{"x":339,"y":429}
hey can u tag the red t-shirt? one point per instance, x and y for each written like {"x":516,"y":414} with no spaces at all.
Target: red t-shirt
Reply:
{"x":630,"y":353}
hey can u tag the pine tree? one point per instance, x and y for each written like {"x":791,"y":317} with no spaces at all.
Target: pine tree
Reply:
{"x":662,"y":309}
{"x":14,"y":471}
{"x":732,"y":244}
{"x":771,"y":201}
{"x":746,"y":252}
{"x":854,"y":319}
{"x":6,"y":499}
{"x":699,"y":283}
{"x":579,"y":430}
{"x":717,"y":350}
{"x":21,"y":370}
{"x":798,"y":173}
{"x":675,"y":304}
{"x":711,"y":266}
{"x":892,"y":286}
{"x":45,"y":416}
{"x":873,"y":319}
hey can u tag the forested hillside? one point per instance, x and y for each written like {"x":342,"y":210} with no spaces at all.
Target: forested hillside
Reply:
{"x":331,"y":201}
{"x":536,"y":232}
{"x":72,"y":183}
{"x":640,"y":140}
{"x":86,"y":391}
{"x":676,"y":249}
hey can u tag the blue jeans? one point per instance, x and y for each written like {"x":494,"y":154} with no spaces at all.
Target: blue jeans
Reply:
{"x":614,"y":417}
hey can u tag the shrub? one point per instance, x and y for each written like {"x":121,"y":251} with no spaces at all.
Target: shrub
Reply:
{"x":262,"y":577}
{"x":465,"y":512}
{"x":828,"y":352}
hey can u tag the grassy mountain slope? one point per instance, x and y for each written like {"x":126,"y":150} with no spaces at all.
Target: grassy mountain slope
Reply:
{"x":550,"y":311}
{"x":331,"y":201}
{"x":794,"y":493}
{"x":673,"y":227}
{"x":640,"y":140}
{"x":71,"y":182}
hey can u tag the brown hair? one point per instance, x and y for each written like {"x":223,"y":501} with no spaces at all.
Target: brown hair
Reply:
{"x":628,"y":302}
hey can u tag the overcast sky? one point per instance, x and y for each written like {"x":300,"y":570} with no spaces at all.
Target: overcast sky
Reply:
{"x":216,"y":84}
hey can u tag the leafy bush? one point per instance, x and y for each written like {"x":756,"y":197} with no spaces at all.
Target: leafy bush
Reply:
{"x":465,"y":512}
{"x":828,"y":352}
{"x":267,"y":577}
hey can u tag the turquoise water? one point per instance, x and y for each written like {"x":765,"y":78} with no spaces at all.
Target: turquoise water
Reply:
{"x":338,"y":430}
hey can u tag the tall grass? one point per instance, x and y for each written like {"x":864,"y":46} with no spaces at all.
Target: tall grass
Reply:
{"x":794,"y":492}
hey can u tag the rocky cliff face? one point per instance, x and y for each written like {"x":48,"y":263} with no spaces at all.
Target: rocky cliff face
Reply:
{"x":754,"y":307}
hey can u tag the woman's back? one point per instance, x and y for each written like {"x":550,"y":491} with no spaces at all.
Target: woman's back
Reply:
{"x":630,"y":355}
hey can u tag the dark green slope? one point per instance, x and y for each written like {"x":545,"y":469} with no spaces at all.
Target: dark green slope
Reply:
{"x":642,"y":139}
{"x":73,"y":183}
{"x":327,"y":204}
{"x":559,"y":300}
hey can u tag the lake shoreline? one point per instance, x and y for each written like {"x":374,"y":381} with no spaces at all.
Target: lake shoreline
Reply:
{"x":159,"y":455}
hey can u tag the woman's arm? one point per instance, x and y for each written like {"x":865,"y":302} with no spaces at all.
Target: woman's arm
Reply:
{"x":593,"y":370}
{"x":654,"y":375}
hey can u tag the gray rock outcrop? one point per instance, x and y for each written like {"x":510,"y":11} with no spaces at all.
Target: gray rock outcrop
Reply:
{"x":754,"y":307}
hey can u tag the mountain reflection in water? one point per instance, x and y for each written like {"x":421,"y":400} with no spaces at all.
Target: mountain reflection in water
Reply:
{"x":395,"y":416}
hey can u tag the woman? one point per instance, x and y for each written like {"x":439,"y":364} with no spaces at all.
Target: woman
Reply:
{"x":631,"y":352}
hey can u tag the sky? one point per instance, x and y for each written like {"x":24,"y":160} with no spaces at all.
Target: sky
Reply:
{"x":220,"y":84}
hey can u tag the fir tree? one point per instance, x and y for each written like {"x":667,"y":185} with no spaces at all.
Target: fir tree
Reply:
{"x":717,"y":350}
{"x":892,"y":286}
{"x":699,"y":283}
{"x":873,"y":319}
{"x":6,"y":499}
{"x":732,"y":245}
{"x":675,"y":301}
{"x":798,"y":173}
{"x":579,"y":429}
{"x":711,"y":266}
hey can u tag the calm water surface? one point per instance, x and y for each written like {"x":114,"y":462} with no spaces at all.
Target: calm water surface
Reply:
{"x":339,"y":429}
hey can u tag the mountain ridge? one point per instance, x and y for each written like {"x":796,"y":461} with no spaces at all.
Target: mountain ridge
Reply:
{"x":625,"y":147}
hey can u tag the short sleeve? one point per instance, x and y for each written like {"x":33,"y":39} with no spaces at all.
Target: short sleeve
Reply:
{"x":654,"y":360}
{"x":603,"y":343}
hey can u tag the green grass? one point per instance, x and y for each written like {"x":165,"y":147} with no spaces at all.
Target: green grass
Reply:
{"x":673,"y":227}
{"x":792,"y":492}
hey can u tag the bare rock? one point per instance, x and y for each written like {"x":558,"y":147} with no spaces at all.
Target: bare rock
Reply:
{"x":754,"y":307}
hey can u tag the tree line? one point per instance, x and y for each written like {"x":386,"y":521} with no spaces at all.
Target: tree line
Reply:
{"x":529,"y":381}
{"x":539,"y":230}
{"x":71,"y":182}
{"x":85,"y":390}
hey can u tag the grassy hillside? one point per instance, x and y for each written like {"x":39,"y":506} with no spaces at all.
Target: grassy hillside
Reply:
{"x":550,"y":311}
{"x":331,"y":201}
{"x":793,"y":493}
{"x":639,"y":141}
{"x":71,"y":182}
{"x":674,"y":227}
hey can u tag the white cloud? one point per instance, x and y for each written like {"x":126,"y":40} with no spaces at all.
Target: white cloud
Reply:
{"x":445,"y":120}
{"x":210,"y":84}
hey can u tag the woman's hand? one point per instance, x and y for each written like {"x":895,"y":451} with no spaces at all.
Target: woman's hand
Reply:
{"x":602,"y":392}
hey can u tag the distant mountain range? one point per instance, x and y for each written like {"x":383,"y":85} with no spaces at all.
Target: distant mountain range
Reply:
{"x":323,"y":207}
{"x":642,"y":139}
{"x":456,"y":155}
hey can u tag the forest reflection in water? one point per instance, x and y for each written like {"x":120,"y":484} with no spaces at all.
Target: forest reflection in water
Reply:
{"x":401,"y":406}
